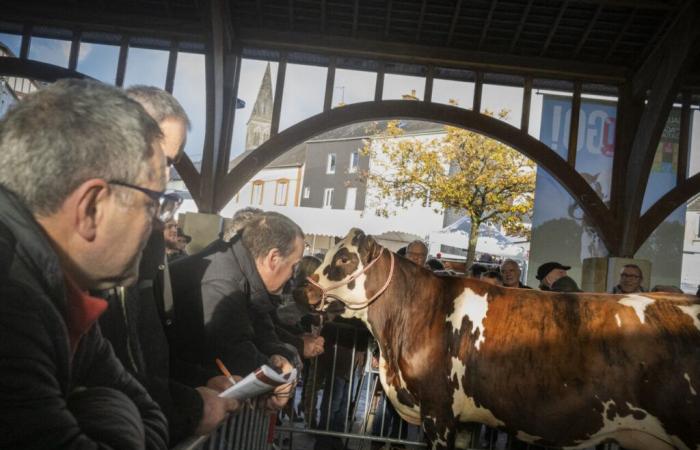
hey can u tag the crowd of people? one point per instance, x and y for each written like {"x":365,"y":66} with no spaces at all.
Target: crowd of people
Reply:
{"x":110,"y":331}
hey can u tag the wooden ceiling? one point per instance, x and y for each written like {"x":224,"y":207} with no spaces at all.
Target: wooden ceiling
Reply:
{"x":610,"y":38}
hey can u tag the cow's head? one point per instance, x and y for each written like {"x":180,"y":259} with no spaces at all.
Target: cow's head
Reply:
{"x":345,"y":259}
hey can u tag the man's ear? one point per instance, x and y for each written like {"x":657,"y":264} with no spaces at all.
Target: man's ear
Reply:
{"x":90,"y":202}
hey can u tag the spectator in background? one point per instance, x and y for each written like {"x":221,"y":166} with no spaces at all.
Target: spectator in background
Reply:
{"x":182,"y":241}
{"x":82,"y":176}
{"x":510,"y":272}
{"x":239,"y":220}
{"x":667,"y":288}
{"x":553,"y":277}
{"x":631,"y":278}
{"x":476,"y":270}
{"x":417,"y":252}
{"x":492,"y":277}
{"x":435,"y":265}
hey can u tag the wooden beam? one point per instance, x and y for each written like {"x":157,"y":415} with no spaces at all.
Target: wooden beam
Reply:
{"x":439,"y":56}
{"x":323,"y":16}
{"x":453,"y":23}
{"x":671,"y":201}
{"x":428,"y":92}
{"x":221,"y":68}
{"x":387,"y":19}
{"x":651,"y":44}
{"x":665,"y":71}
{"x":684,"y":139}
{"x":166,"y":6}
{"x":487,"y":24}
{"x":259,"y":7}
{"x":587,"y":32}
{"x":379,"y":85}
{"x":620,"y":35}
{"x":279,"y":92}
{"x":330,"y":85}
{"x":554,"y":28}
{"x":36,"y":70}
{"x":527,"y":100}
{"x":74,"y":50}
{"x":421,"y":18}
{"x":642,"y":4}
{"x":478,"y":87}
{"x":573,"y":124}
{"x":121,"y":61}
{"x":26,"y":41}
{"x":291,"y":14}
{"x":521,"y":25}
{"x":355,"y":17}
{"x":172,"y":65}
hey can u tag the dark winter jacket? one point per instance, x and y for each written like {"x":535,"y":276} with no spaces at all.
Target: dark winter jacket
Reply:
{"x":52,"y":394}
{"x":236,"y":308}
{"x":136,"y":323}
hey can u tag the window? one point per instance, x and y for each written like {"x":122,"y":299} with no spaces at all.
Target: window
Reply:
{"x":307,"y":192}
{"x":330,"y":166}
{"x":354,"y":161}
{"x":281,"y":192}
{"x":328,"y":198}
{"x":256,"y":194}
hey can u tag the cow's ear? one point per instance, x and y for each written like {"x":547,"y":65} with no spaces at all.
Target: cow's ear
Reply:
{"x":336,"y":239}
{"x":371,"y":248}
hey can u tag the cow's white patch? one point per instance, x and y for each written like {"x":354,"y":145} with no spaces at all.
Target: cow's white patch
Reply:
{"x":637,"y":302}
{"x":463,"y":407}
{"x":694,"y":312}
{"x":647,"y":432}
{"x":525,"y":437}
{"x":618,"y":320}
{"x":690,"y":384}
{"x":407,"y":413}
{"x":470,"y":304}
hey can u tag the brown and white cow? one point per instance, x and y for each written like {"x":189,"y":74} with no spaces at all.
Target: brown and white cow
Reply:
{"x":556,"y":369}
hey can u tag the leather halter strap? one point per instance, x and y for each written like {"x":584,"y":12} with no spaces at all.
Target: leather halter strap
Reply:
{"x":325,"y":294}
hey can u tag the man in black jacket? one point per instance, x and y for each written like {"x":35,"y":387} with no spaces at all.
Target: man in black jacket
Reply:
{"x":139,"y":316}
{"x":233,"y":282}
{"x":81,"y":179}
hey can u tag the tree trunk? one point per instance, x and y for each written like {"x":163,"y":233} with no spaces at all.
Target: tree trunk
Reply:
{"x":473,"y":238}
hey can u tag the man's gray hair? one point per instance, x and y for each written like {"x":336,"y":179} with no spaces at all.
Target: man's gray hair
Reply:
{"x":417,"y":242}
{"x":269,"y":230}
{"x":57,"y":138}
{"x":158,"y":103}
{"x":510,"y":261}
{"x":239,"y":220}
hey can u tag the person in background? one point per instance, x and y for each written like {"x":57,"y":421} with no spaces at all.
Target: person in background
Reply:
{"x":492,"y":277}
{"x":667,"y":288}
{"x":140,"y":320}
{"x":553,"y":277}
{"x":510,"y":272}
{"x":476,"y":270}
{"x":82,"y":176}
{"x":182,"y":241}
{"x":417,"y":252}
{"x":170,"y":239}
{"x":631,"y":278}
{"x":239,"y":220}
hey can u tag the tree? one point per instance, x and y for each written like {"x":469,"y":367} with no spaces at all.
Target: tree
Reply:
{"x":463,"y":170}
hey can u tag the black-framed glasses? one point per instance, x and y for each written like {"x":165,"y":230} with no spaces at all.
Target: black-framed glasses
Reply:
{"x":168,"y":203}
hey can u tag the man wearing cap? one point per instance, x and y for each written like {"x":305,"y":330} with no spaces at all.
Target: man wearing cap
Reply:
{"x":552,"y":276}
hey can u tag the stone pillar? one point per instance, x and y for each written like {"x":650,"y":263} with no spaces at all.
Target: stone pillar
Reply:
{"x":602,"y":274}
{"x":203,"y":228}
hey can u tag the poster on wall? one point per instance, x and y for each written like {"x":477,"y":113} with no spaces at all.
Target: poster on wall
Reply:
{"x":560,"y":230}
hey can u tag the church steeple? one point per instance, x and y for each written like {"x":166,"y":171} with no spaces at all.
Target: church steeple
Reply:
{"x":258,"y":126}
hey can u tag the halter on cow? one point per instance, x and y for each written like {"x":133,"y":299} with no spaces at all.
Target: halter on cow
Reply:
{"x":567,"y":370}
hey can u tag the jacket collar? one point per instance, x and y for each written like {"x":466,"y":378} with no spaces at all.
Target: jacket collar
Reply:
{"x":32,"y":246}
{"x":260,"y":299}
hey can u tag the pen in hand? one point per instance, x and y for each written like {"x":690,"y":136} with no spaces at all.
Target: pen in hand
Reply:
{"x":225,"y":371}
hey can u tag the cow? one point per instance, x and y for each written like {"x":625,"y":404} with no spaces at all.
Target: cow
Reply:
{"x":555,"y":369}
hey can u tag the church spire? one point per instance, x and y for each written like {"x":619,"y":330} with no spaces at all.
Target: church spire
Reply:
{"x":258,"y":126}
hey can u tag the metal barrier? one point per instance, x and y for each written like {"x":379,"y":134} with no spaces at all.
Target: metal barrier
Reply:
{"x":247,"y":430}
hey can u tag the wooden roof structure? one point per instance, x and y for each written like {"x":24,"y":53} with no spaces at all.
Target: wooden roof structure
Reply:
{"x":645,"y":52}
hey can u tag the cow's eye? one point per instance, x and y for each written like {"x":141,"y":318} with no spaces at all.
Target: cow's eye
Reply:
{"x":344,"y":260}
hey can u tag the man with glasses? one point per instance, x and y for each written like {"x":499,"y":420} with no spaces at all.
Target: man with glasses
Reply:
{"x":140,"y":316}
{"x":81,"y":179}
{"x":631,"y":278}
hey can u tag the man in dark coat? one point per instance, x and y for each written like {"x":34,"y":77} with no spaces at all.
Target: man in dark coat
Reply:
{"x":553,"y":277}
{"x":81,"y":178}
{"x":140,"y":317}
{"x":233,"y":282}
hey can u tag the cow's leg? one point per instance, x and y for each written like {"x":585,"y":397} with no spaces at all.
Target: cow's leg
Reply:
{"x":439,"y":432}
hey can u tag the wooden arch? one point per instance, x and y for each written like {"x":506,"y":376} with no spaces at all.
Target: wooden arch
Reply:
{"x":547,"y":159}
